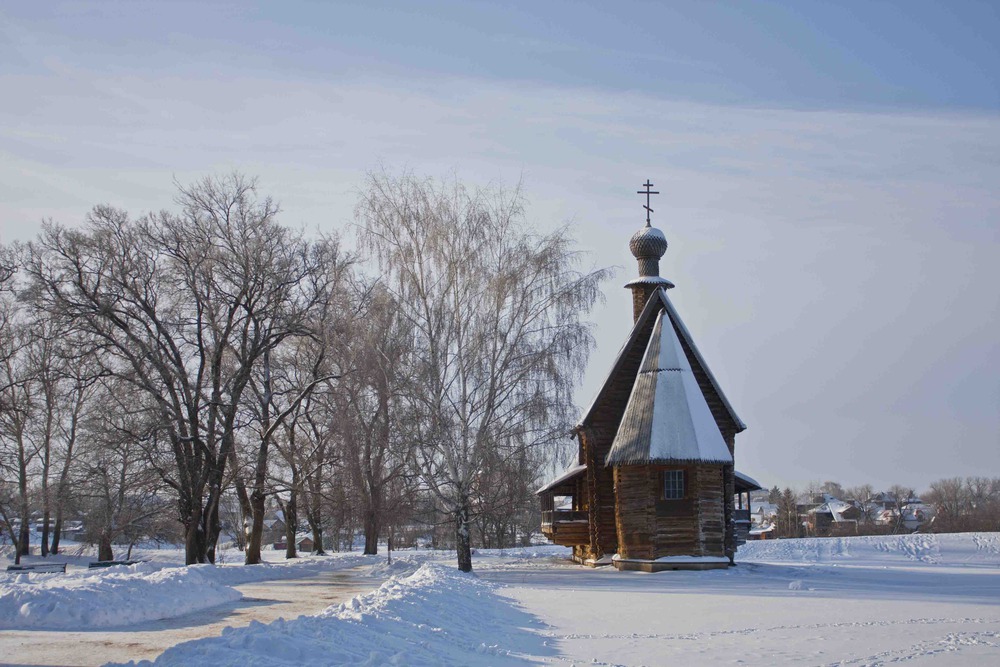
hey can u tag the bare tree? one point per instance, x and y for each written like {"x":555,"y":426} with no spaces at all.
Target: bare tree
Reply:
{"x":114,"y":482}
{"x":863,"y":496}
{"x":287,"y":375}
{"x":833,"y":489}
{"x":787,"y":522}
{"x":970,"y":504}
{"x":505,"y":504}
{"x":377,"y":451}
{"x":18,"y":450}
{"x":901,"y":496}
{"x":78,"y":394}
{"x":184,"y":306}
{"x":315,"y":454}
{"x":497,"y":312}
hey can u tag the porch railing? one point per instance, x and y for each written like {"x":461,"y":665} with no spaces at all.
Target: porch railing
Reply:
{"x":564,"y":516}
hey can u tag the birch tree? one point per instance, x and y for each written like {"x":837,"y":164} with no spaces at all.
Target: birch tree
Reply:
{"x":377,"y":450}
{"x":497,"y":312}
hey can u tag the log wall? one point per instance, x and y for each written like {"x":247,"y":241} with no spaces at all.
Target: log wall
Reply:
{"x":600,"y":492}
{"x":649,"y":527}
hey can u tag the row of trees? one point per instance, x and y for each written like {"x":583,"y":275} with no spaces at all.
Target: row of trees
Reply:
{"x":182,"y":358}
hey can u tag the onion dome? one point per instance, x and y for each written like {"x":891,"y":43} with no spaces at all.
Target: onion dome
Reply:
{"x":648,"y":245}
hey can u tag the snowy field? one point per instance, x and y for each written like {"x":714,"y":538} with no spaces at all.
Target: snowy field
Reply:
{"x":920,"y":599}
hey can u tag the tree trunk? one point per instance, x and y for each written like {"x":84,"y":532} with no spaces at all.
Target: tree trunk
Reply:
{"x":63,"y":484}
{"x":195,"y":541}
{"x":317,"y":533}
{"x":462,"y":537}
{"x":243,"y":496}
{"x":314,"y":515}
{"x":24,"y":541}
{"x":291,"y":525}
{"x":212,"y":526}
{"x":56,"y":532}
{"x":256,"y":528}
{"x":45,"y":531}
{"x":372,"y":529}
{"x":104,"y":550}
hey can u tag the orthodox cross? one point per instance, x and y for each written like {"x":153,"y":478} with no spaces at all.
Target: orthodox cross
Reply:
{"x":647,"y":192}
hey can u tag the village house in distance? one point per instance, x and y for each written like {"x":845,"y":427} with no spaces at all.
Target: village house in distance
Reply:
{"x":654,"y":484}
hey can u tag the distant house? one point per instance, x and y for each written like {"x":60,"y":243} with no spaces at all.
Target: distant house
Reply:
{"x":763,"y":513}
{"x":71,"y":530}
{"x":763,"y":516}
{"x":915,"y":516}
{"x":762,"y":532}
{"x":833,"y":518}
{"x":274,"y":526}
{"x":306,"y":544}
{"x":887,"y":501}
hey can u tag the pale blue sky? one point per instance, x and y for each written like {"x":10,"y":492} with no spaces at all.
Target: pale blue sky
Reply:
{"x":829,"y":174}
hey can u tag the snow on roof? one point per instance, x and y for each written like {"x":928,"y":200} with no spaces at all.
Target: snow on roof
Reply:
{"x":763,"y":508}
{"x":667,"y":418}
{"x":834,"y":507}
{"x":570,"y":473}
{"x":748,"y":481}
{"x":649,"y":280}
{"x":657,"y":302}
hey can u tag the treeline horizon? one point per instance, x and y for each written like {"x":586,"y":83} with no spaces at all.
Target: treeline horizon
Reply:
{"x":961,"y":504}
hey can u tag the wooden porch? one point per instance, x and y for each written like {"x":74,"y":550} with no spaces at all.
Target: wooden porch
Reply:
{"x":566,"y":527}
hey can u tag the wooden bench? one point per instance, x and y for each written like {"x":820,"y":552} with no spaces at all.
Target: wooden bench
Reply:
{"x":38,"y":567}
{"x":112,"y":563}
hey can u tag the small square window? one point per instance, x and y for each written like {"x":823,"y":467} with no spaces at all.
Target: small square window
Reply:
{"x":673,"y":485}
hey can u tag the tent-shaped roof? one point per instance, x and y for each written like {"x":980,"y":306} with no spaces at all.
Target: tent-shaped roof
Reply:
{"x":659,"y":301}
{"x":667,"y":418}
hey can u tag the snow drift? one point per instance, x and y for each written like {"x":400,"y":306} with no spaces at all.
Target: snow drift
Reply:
{"x":436,"y":616}
{"x":108,"y":598}
{"x":956,"y":549}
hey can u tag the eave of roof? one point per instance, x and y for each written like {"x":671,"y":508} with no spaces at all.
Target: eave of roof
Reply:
{"x":750,"y":484}
{"x":566,"y":476}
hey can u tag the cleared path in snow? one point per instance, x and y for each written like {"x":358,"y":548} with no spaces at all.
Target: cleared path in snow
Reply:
{"x":263,"y":601}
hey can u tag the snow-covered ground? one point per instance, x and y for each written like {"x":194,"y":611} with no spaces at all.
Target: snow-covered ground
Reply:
{"x":125,"y":595}
{"x":922,"y":599}
{"x":859,"y":601}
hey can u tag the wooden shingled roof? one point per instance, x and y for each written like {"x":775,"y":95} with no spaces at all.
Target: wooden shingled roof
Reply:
{"x":667,"y":419}
{"x":722,"y":410}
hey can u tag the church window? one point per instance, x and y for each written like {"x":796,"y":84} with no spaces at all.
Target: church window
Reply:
{"x":673,"y":484}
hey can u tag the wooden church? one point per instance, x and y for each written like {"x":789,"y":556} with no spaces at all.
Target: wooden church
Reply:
{"x":654,"y":486}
